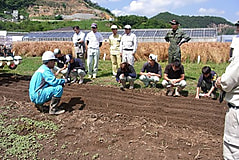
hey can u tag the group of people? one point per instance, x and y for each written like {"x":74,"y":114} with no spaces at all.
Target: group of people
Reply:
{"x":44,"y":86}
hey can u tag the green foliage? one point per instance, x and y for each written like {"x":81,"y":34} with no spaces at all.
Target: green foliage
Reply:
{"x":133,"y":20}
{"x":192,"y":21}
{"x":20,"y":137}
{"x":96,"y":6}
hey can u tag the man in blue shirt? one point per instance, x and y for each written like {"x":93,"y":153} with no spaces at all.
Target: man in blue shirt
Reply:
{"x":45,"y":87}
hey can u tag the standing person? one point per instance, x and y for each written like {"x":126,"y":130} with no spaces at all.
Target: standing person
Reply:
{"x":114,"y":41}
{"x":229,"y":83}
{"x":79,"y":43}
{"x":62,"y":61}
{"x":206,"y":82}
{"x":176,"y":37}
{"x":128,"y":46}
{"x":45,"y":87}
{"x":93,"y":43}
{"x":77,"y":68}
{"x":126,"y":73}
{"x":174,"y":77}
{"x":234,"y":50}
{"x":151,"y":71}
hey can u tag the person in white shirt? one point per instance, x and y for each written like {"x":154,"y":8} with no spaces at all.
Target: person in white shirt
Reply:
{"x":128,"y":46}
{"x":79,"y":43}
{"x":229,"y":84}
{"x":234,"y":49}
{"x":114,"y":41}
{"x":93,"y":43}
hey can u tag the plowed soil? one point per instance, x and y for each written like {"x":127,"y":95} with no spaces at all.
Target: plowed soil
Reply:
{"x":103,"y":122}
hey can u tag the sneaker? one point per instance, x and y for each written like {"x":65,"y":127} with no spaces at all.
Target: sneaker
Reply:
{"x":74,"y":80}
{"x":170,"y":91}
{"x":177,"y":94}
{"x":81,"y":81}
{"x":131,"y":87}
{"x":213,"y":96}
{"x":94,"y":76}
{"x":90,"y":76}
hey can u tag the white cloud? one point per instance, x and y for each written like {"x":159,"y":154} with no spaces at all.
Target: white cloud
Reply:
{"x":210,"y":11}
{"x":152,"y":7}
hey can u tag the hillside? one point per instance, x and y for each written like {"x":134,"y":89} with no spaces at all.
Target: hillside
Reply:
{"x":48,"y":9}
{"x":193,"y":21}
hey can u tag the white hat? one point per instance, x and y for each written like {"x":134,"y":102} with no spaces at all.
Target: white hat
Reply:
{"x":57,"y":51}
{"x":127,"y":27}
{"x":48,"y":55}
{"x":113,"y":27}
{"x":153,"y":57}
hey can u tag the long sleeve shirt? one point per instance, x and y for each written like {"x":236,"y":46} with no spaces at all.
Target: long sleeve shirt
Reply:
{"x":78,"y":37}
{"x":114,"y":41}
{"x":230,"y":82}
{"x":128,"y":42}
{"x":41,"y":79}
{"x":129,"y":72}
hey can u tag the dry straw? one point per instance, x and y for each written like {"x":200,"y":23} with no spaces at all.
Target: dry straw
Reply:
{"x":208,"y":51}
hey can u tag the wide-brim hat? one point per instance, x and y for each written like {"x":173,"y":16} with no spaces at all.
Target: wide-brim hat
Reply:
{"x":174,"y":22}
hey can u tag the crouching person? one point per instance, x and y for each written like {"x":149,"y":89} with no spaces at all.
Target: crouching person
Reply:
{"x":151,"y":71}
{"x":45,"y":87}
{"x":126,"y":73}
{"x":174,"y":78}
{"x":207,"y":82}
{"x":77,"y":69}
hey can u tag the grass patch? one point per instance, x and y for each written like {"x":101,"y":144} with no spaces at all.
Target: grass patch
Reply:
{"x":20,"y":137}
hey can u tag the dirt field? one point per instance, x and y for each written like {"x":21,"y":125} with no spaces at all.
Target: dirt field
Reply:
{"x":108,"y":124}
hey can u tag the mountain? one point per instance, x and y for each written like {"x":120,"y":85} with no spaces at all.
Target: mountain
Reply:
{"x":48,"y":9}
{"x":193,"y":21}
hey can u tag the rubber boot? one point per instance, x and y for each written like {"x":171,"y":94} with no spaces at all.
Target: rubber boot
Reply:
{"x":53,"y":106}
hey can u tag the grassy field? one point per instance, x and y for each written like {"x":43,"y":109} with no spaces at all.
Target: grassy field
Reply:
{"x":192,"y":72}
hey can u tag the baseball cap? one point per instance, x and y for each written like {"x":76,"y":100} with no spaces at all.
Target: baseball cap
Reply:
{"x":93,"y":25}
{"x":237,"y":24}
{"x":153,"y":57}
{"x":68,"y":58}
{"x":57,"y":51}
{"x":113,"y":27}
{"x":127,"y":27}
{"x":173,"y":22}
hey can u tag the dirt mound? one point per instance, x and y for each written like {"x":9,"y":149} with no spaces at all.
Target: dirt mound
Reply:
{"x":107,"y":123}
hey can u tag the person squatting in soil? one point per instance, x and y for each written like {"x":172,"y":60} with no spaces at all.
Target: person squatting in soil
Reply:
{"x":176,"y":37}
{"x":44,"y":86}
{"x":62,"y":62}
{"x":93,"y":43}
{"x":126,"y":73}
{"x":76,"y":68}
{"x":174,"y":77}
{"x":151,"y":71}
{"x":229,"y":83}
{"x":206,"y":82}
{"x":79,"y":43}
{"x":128,"y":45}
{"x":114,"y":41}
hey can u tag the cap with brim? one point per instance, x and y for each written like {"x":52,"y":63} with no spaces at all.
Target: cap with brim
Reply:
{"x":113,"y":27}
{"x":237,"y":24}
{"x":93,"y":25}
{"x":174,"y":22}
{"x":127,"y":27}
{"x":68,"y":58}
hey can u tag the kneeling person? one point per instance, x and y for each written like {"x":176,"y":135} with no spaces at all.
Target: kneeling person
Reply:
{"x":62,"y":62}
{"x":45,"y":87}
{"x":76,"y":68}
{"x":126,"y":73}
{"x":151,"y":71}
{"x":207,"y":82}
{"x":174,"y":77}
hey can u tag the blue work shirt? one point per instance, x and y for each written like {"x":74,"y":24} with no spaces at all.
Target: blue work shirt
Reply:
{"x":41,"y":79}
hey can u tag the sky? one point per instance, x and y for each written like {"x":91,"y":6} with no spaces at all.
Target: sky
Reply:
{"x":227,"y":9}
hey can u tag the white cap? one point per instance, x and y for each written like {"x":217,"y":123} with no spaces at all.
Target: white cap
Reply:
{"x":127,"y":27}
{"x":68,"y":58}
{"x":113,"y":27}
{"x":48,"y":55}
{"x":57,"y":51}
{"x":153,"y":57}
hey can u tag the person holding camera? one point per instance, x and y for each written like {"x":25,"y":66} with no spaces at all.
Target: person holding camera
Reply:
{"x":79,"y":43}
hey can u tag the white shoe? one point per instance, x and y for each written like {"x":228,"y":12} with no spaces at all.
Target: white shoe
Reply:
{"x":81,"y":81}
{"x":177,"y":94}
{"x":94,"y":76}
{"x":131,"y":87}
{"x":90,"y":76}
{"x":170,"y":91}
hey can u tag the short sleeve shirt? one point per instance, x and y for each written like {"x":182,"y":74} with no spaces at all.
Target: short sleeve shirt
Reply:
{"x":94,"y":39}
{"x":210,"y":79}
{"x":174,"y":74}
